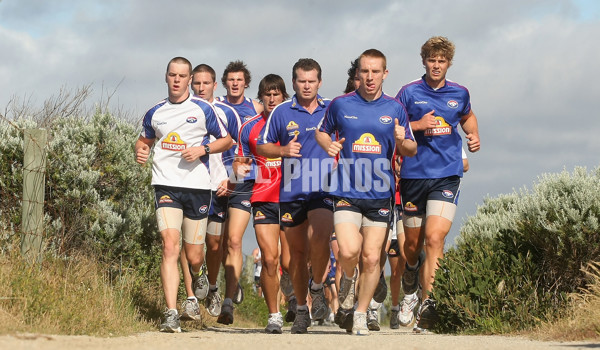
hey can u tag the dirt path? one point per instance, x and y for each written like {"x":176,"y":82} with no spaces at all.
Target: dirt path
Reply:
{"x":320,"y":337}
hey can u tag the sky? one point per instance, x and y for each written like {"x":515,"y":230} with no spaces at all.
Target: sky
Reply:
{"x":530,"y":65}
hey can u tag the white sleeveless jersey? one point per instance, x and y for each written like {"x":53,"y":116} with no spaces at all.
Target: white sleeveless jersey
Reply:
{"x":176,"y":127}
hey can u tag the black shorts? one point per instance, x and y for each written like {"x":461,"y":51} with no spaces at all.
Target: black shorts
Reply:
{"x":194,"y":202}
{"x":240,"y":197}
{"x":416,"y":193}
{"x":218,"y":208}
{"x":265,"y":213}
{"x":394,"y":249}
{"x":295,"y":213}
{"x":378,"y":210}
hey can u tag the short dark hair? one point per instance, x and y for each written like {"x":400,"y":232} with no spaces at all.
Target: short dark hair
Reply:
{"x":272,"y":82}
{"x":306,"y":64}
{"x":351,"y":75}
{"x":237,"y":66}
{"x":180,"y":60}
{"x":373,"y":53}
{"x":205,"y":68}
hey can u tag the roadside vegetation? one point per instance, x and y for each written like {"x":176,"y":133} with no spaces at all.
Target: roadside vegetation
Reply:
{"x":525,"y":262}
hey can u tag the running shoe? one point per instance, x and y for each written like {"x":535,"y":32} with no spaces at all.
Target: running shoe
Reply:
{"x":213,"y":303}
{"x":290,"y":316}
{"x":286,"y":285}
{"x":226,"y":315}
{"x":381,"y":289}
{"x":190,"y":310}
{"x":171,"y":324}
{"x":372,"y":320}
{"x":239,"y":297}
{"x":201,"y":287}
{"x":359,"y":323}
{"x":408,"y":309}
{"x":274,"y":324}
{"x":346,"y":296}
{"x":427,"y":316}
{"x":344,"y":319}
{"x":319,"y":307}
{"x":394,"y":319}
{"x":410,"y":278}
{"x":301,"y":323}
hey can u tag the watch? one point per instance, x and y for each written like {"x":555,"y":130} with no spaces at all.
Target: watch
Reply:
{"x":206,"y":149}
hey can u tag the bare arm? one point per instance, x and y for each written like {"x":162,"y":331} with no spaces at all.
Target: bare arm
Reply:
{"x":271,"y":150}
{"x":405,"y":147}
{"x":219,"y":145}
{"x":142,"y":149}
{"x":331,"y":147}
{"x":471,"y":129}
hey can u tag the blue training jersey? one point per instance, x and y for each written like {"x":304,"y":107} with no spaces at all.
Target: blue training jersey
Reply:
{"x":439,"y":152}
{"x":364,"y":168}
{"x":310,"y":173}
{"x":245,"y":109}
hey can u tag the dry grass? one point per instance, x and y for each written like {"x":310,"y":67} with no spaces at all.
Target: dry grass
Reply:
{"x":583,"y":319}
{"x":66,"y":296}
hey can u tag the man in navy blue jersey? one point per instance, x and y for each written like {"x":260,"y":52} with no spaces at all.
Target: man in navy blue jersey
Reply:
{"x":370,"y":127}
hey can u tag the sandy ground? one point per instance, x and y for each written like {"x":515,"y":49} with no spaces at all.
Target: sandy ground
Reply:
{"x":319,"y":337}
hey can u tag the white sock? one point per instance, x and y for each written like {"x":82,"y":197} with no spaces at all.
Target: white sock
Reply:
{"x":212,"y":287}
{"x":176,"y":313}
{"x":192,"y":298}
{"x":316,"y":286}
{"x":396,"y":307}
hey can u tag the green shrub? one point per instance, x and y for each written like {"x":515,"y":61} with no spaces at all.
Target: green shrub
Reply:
{"x":518,"y":258}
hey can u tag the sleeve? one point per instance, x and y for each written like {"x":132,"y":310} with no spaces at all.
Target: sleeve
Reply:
{"x":243,"y":147}
{"x":214,"y":125}
{"x":270,"y":132}
{"x":403,"y":120}
{"x":327,"y":124}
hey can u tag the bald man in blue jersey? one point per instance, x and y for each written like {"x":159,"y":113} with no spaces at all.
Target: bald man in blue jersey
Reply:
{"x":430,"y":181}
{"x":370,"y":127}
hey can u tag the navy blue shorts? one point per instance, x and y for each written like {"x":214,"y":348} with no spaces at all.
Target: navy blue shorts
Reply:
{"x":194,"y":202}
{"x":240,"y":197}
{"x":218,"y":208}
{"x":265,"y":213}
{"x":295,"y":213}
{"x":378,"y":210}
{"x":416,"y":193}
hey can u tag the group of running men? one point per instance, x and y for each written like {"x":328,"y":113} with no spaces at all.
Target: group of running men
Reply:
{"x":304,"y":168}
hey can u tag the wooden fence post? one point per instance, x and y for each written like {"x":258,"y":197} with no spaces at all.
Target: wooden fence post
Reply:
{"x":34,"y":175}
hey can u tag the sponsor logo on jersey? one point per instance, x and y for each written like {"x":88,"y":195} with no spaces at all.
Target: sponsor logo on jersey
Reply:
{"x":293,"y":133}
{"x":273,"y":162}
{"x":328,"y":201}
{"x":410,"y":207}
{"x":452,"y":104}
{"x":311,"y":129}
{"x":441,"y":128}
{"x":342,"y":203}
{"x":246,"y":203}
{"x":350,"y":117}
{"x":165,"y":199}
{"x":287,"y":217}
{"x":447,"y":193}
{"x":420,"y":102}
{"x":384,"y":212}
{"x":291,"y":125}
{"x":203,"y":209}
{"x":385,"y":119}
{"x":191,"y":120}
{"x":259,"y":215}
{"x":366,"y":143}
{"x":173,"y":142}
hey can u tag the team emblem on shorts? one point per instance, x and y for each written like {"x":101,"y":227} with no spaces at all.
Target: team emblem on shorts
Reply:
{"x":172,"y":142}
{"x":246,"y":203}
{"x":392,"y":251}
{"x":221,"y":214}
{"x":328,"y":201}
{"x":452,"y":104}
{"x":203,"y":209}
{"x":385,"y":119}
{"x":287,"y":217}
{"x":410,"y":207}
{"x":447,"y":193}
{"x":165,"y":199}
{"x":191,"y":120}
{"x":384,"y":212}
{"x":366,"y":143}
{"x":342,"y":203}
{"x":259,"y":215}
